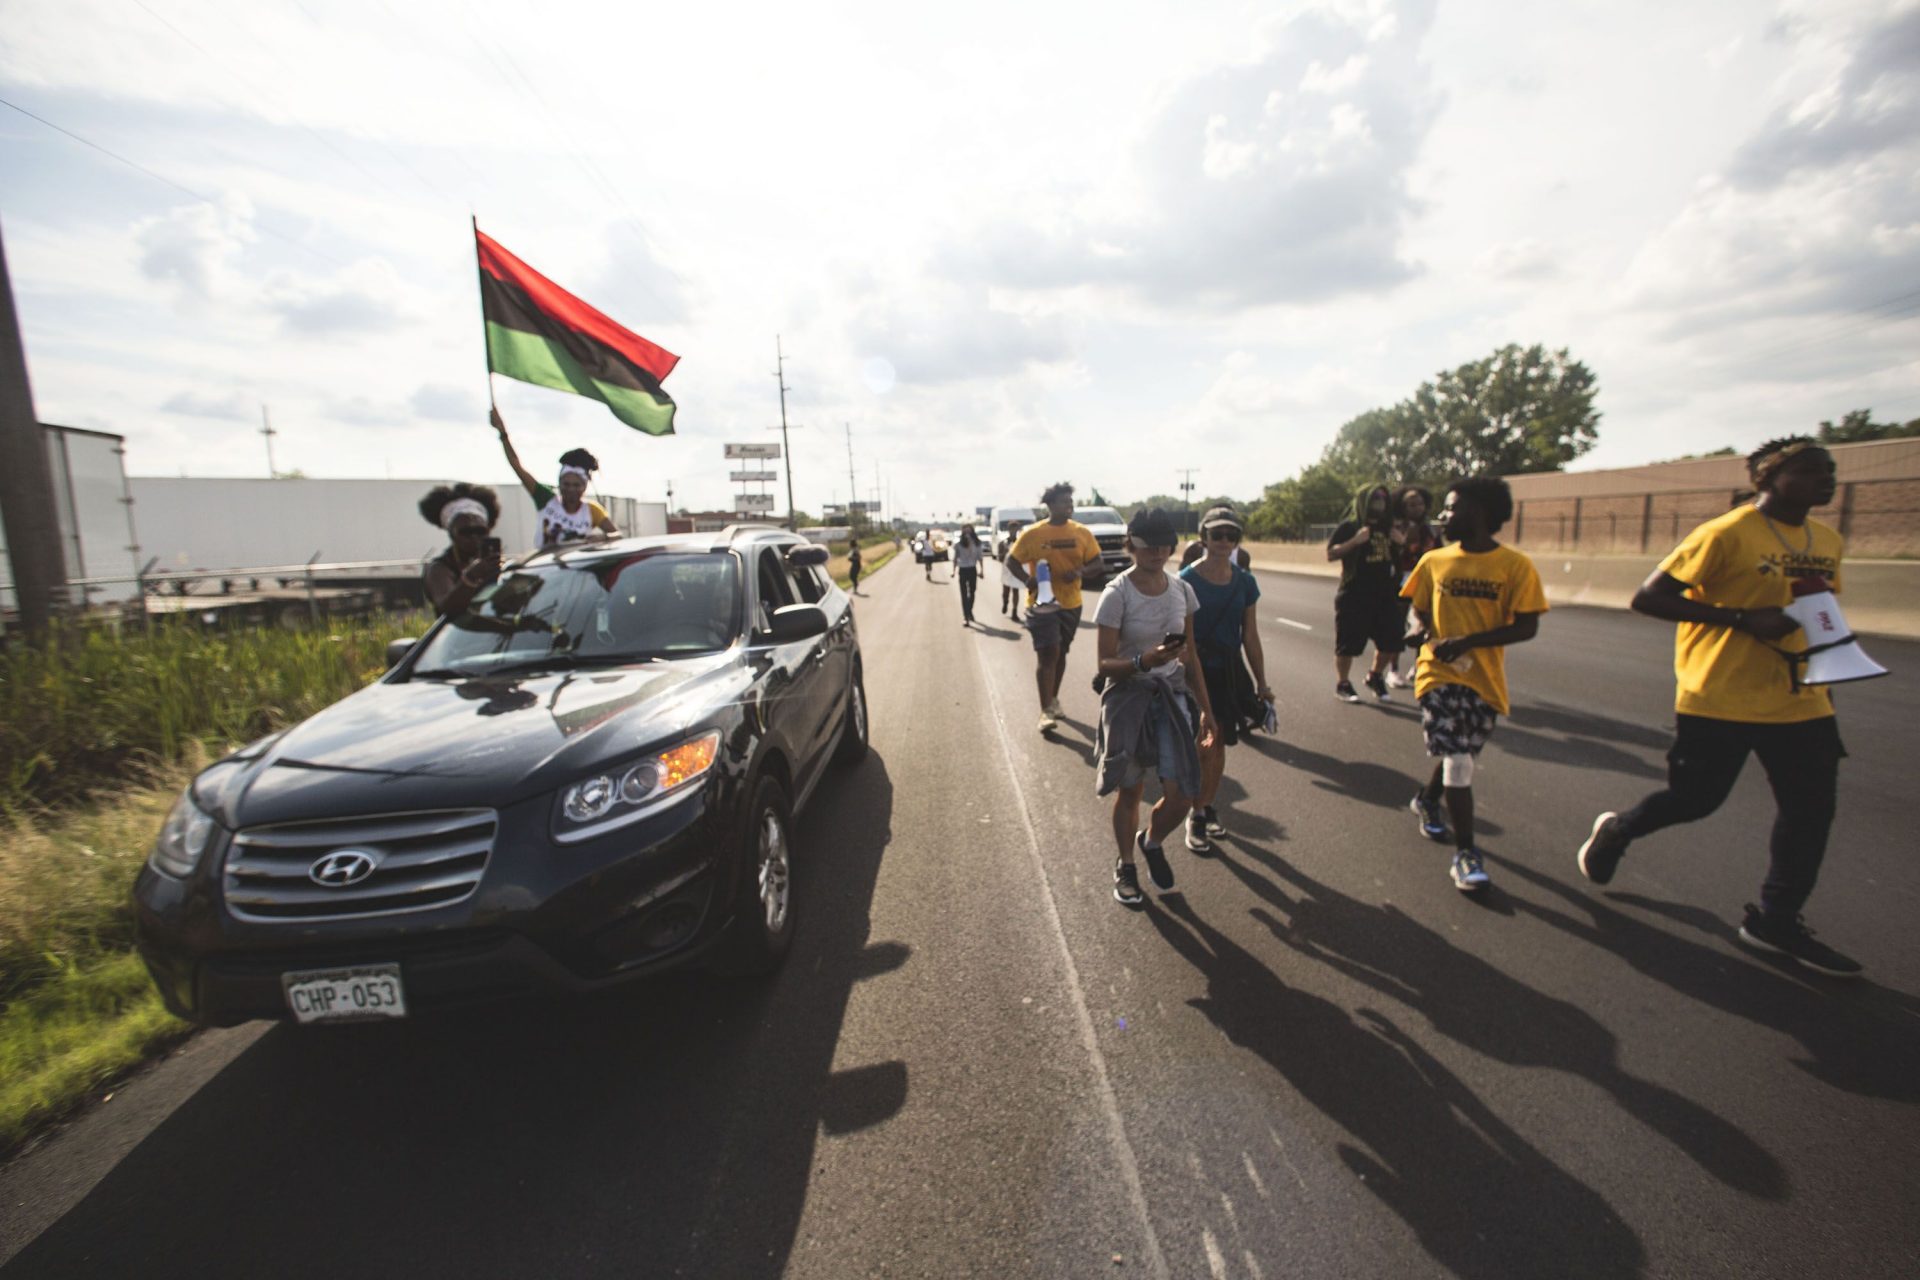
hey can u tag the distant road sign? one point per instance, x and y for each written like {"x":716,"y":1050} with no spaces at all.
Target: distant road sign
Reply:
{"x":753,"y":450}
{"x":739,"y":477}
{"x":753,"y":502}
{"x":866,"y":506}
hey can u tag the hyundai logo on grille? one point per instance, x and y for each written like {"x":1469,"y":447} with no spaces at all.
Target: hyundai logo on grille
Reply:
{"x":343,"y":867}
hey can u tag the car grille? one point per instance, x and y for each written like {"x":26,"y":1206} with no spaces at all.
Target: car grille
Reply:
{"x":1112,"y":541}
{"x":425,"y":860}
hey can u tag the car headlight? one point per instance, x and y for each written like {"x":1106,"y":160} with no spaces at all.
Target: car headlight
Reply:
{"x":184,"y":837}
{"x":606,"y":796}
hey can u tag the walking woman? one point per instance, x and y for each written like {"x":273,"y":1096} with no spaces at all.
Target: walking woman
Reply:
{"x":968,"y":555}
{"x":566,"y":513}
{"x":1011,"y":588}
{"x":1155,"y":718}
{"x":853,"y":565}
{"x":1412,"y":538}
{"x":468,"y":513}
{"x":1227,"y":624}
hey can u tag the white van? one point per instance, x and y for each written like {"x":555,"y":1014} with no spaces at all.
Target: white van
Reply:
{"x":1003,"y":518}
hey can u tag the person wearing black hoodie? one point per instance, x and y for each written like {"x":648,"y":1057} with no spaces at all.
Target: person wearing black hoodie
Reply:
{"x":1366,"y":605}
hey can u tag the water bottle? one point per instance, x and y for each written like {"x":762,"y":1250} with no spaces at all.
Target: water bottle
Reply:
{"x":1042,"y":584}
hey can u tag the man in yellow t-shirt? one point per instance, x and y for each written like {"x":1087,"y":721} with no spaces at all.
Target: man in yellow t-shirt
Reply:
{"x":1064,"y":546}
{"x":1727,"y":586}
{"x":1473,"y":598}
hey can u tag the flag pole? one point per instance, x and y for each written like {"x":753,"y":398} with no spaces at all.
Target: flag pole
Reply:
{"x":485,"y":351}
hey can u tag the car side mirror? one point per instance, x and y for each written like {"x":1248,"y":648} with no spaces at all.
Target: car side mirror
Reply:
{"x":798,"y":622}
{"x":397,"y":650}
{"x":810,"y":556}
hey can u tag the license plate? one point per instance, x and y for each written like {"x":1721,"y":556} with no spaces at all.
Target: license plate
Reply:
{"x":345,"y":995}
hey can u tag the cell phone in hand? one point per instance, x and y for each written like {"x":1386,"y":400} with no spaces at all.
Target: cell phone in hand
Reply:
{"x":490,"y":546}
{"x":1176,"y":638}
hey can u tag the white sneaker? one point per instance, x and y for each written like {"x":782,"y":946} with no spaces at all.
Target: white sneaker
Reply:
{"x":1047,"y":722}
{"x":1053,"y":709}
{"x":1397,"y":681}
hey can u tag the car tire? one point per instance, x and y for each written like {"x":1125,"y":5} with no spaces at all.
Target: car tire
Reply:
{"x":763,"y":901}
{"x":853,"y":738}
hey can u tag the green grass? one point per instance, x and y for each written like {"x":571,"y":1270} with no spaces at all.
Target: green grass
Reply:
{"x":77,"y":714}
{"x":869,"y":560}
{"x":67,"y":1038}
{"x":76,"y":1006}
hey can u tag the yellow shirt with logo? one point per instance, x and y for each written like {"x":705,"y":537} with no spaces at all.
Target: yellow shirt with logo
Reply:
{"x":1465,"y":593}
{"x":1065,"y":547}
{"x":1741,"y":560}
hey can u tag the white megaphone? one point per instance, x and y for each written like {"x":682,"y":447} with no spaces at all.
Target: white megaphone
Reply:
{"x":1832,"y":655}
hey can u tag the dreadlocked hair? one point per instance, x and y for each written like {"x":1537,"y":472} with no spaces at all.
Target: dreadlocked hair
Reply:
{"x":580,"y":458}
{"x":1054,"y":491}
{"x":1769,"y":457}
{"x":440,"y":495}
{"x":1490,"y":494}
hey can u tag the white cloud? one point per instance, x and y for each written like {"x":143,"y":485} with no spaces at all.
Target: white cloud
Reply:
{"x":197,"y":247}
{"x":231,"y":406}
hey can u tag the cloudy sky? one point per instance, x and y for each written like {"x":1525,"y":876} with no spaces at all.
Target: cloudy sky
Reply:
{"x":1006,"y":243}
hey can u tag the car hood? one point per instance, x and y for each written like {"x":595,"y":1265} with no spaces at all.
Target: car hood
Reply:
{"x":480,"y":742}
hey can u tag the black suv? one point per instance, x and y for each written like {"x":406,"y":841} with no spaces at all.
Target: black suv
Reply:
{"x":587,"y":776}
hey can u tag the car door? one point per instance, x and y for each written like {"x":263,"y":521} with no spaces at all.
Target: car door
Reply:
{"x":816,"y":587}
{"x":800,"y":701}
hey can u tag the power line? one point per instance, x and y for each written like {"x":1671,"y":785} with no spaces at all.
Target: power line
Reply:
{"x":162,"y":178}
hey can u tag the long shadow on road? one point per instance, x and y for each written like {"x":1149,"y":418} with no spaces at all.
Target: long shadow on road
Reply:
{"x":1476,"y":1194}
{"x":665,"y":1130}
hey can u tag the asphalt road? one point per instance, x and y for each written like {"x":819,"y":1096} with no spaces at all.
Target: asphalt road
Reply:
{"x":1315,"y":1058}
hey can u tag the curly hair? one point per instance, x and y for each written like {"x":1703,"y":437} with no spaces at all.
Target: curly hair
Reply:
{"x":1400,"y":501}
{"x":1490,"y":494}
{"x":1055,"y":491}
{"x":580,"y":458}
{"x":1771,"y":456}
{"x":440,"y":495}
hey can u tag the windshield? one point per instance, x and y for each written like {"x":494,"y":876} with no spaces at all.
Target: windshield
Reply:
{"x":652,"y":604}
{"x":1010,"y":516}
{"x":1097,"y":515}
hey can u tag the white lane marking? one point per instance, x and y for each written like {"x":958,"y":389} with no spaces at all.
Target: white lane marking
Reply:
{"x":1253,"y":1265}
{"x":1289,"y":622}
{"x":1253,"y":1175}
{"x":1103,"y":1083}
{"x":1281,"y":1147}
{"x":1216,"y":1261}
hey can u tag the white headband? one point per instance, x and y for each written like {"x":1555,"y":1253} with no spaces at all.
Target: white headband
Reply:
{"x":566,"y":469}
{"x":462,"y":507}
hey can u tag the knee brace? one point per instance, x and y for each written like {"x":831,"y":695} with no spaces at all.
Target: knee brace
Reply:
{"x":1457,"y":770}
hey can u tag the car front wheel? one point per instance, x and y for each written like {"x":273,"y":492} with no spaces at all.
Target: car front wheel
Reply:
{"x":763,"y":903}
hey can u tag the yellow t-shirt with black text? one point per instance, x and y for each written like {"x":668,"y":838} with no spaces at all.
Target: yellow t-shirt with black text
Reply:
{"x":1465,"y":593}
{"x":1741,"y":560}
{"x":1065,"y":547}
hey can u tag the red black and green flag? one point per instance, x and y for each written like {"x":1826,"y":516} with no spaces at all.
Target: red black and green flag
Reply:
{"x":539,"y":333}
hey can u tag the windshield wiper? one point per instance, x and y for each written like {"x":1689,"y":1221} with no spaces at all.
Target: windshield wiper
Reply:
{"x":554,"y":661}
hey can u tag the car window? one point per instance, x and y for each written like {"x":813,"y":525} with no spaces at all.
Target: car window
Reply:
{"x":653,"y":603}
{"x":777,"y":589}
{"x":812,"y":581}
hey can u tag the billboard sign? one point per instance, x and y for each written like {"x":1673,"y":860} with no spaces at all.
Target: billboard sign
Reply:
{"x":761,"y":451}
{"x":743,"y":477}
{"x":753,"y":502}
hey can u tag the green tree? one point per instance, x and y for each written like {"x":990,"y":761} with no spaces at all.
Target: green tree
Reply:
{"x":1859,"y":425}
{"x":1318,"y":495}
{"x":1520,"y":409}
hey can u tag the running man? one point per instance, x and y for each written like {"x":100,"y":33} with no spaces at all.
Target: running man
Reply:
{"x":1473,"y":598}
{"x":1065,"y":547}
{"x":1726,"y":585}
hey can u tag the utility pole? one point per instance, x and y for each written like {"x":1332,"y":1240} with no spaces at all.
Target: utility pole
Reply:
{"x":266,"y":429}
{"x":1186,"y":489}
{"x":26,"y":481}
{"x":853,"y":489}
{"x":786,"y":450}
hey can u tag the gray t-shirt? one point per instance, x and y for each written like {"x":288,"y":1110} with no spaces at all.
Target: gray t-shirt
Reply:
{"x":1144,"y":621}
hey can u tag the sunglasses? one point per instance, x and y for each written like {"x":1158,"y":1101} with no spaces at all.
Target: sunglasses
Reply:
{"x":1223,"y":535}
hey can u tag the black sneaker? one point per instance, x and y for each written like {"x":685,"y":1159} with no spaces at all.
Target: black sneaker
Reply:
{"x":1215,"y":827}
{"x":1158,"y":868}
{"x":1126,"y":884}
{"x":1433,"y":824}
{"x":1791,"y":937}
{"x":1604,"y":849}
{"x":1197,"y":841}
{"x":1378,"y":683}
{"x":1344,"y":692}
